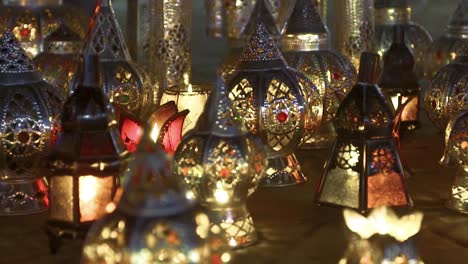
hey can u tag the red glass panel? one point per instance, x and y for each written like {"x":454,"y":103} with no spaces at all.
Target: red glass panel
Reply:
{"x":171,"y":133}
{"x":131,"y":133}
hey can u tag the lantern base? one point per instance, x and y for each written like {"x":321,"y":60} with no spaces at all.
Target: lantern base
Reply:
{"x":283,"y":171}
{"x":58,"y":231}
{"x":23,"y":197}
{"x":235,"y":224}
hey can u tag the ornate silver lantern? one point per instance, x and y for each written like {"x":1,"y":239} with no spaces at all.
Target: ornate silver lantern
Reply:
{"x":448,"y":91}
{"x":456,"y":152}
{"x":33,"y":20}
{"x":126,"y":86}
{"x":28,"y":119}
{"x":443,"y":49}
{"x":223,"y":164}
{"x":268,"y":98}
{"x":154,"y":222}
{"x":389,"y":13}
{"x":59,"y":61}
{"x":306,"y":48}
{"x":364,"y":169}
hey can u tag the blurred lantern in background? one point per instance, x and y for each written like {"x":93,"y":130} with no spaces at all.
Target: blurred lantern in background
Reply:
{"x":166,"y":125}
{"x":155,"y":221}
{"x":399,"y":82}
{"x":126,"y":86}
{"x":355,"y":32}
{"x":364,"y":169}
{"x":139,"y":13}
{"x":389,"y":13}
{"x":85,"y":161}
{"x":29,"y":111}
{"x":448,"y":91}
{"x":267,"y":97}
{"x":33,"y":20}
{"x":443,"y":49}
{"x":223,"y":164}
{"x":59,"y":61}
{"x":215,"y":18}
{"x":384,"y":237}
{"x":456,"y":153}
{"x":306,"y":48}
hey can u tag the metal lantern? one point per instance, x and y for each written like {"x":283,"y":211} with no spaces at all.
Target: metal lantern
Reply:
{"x":154,"y":222}
{"x":28,"y":119}
{"x":33,"y":20}
{"x":59,"y":61}
{"x":443,"y":49}
{"x":126,"y":86}
{"x":223,"y":164}
{"x":355,"y":32}
{"x":364,"y":169}
{"x":267,"y":97}
{"x":215,"y":18}
{"x":399,"y":81}
{"x":447,"y":93}
{"x":456,"y":151}
{"x":139,"y":13}
{"x":85,"y":161}
{"x":389,"y":13}
{"x":306,"y":48}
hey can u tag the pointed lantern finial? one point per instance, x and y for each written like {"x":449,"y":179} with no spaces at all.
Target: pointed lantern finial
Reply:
{"x":261,"y":14}
{"x":13,"y":58}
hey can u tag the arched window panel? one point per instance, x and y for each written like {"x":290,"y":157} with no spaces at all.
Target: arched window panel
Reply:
{"x":243,"y":100}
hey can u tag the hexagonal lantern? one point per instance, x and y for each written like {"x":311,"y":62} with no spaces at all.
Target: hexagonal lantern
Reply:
{"x":305,"y":44}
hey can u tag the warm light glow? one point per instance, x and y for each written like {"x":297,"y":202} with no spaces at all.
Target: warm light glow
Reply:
{"x":95,"y":194}
{"x":155,"y":132}
{"x":383,"y":221}
{"x":87,"y":188}
{"x":395,"y":101}
{"x":221,"y":196}
{"x":225,"y":257}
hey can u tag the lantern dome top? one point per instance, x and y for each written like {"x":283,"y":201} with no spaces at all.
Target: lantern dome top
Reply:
{"x":218,"y":117}
{"x":261,"y":52}
{"x":63,"y":40}
{"x":13,"y":58}
{"x":459,"y":19}
{"x":261,"y":14}
{"x":391,"y":3}
{"x":105,"y":37}
{"x":152,"y":190}
{"x":305,"y":19}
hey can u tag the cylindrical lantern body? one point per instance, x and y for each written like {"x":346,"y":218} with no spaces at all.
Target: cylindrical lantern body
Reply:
{"x":123,"y":82}
{"x":222,"y":163}
{"x":399,"y":81}
{"x":33,"y":21}
{"x":28,"y":119}
{"x":447,"y":93}
{"x":306,"y":48}
{"x":355,"y":32}
{"x":59,"y":61}
{"x":268,"y":98}
{"x":398,"y":12}
{"x":364,"y":169}
{"x":443,"y":49}
{"x":86,"y":159}
{"x":456,"y":152}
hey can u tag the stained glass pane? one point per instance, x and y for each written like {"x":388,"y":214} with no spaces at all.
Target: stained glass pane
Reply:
{"x":61,"y":198}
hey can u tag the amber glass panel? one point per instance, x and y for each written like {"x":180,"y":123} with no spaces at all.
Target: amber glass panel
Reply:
{"x":61,"y":198}
{"x":95,"y":194}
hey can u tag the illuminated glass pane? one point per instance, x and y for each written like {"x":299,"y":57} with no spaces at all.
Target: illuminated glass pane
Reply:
{"x":95,"y":193}
{"x":386,"y":189}
{"x":61,"y":198}
{"x":341,"y":187}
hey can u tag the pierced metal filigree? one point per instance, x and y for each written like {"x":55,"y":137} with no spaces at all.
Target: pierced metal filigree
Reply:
{"x":12,"y":58}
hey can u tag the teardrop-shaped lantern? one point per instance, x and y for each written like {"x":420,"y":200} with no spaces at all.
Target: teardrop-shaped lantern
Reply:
{"x":28,"y":117}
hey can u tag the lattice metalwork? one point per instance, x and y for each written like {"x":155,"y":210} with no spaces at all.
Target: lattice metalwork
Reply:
{"x":243,"y":98}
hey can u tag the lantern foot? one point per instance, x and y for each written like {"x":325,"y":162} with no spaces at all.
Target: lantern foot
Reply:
{"x":58,"y":231}
{"x":23,"y":197}
{"x":235,"y":224}
{"x":283,"y":171}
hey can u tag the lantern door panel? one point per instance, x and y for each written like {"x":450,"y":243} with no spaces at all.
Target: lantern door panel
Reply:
{"x":61,"y":199}
{"x":95,"y":193}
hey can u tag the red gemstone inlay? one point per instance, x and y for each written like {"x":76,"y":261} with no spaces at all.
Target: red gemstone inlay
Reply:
{"x":282,"y":117}
{"x":24,"y":32}
{"x":336,"y":76}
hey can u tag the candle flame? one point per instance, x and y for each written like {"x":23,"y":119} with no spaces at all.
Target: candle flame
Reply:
{"x":155,"y":132}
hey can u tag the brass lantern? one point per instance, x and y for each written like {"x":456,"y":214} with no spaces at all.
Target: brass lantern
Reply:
{"x":154,"y":222}
{"x":267,"y":97}
{"x":126,"y":86}
{"x":85,"y":161}
{"x":389,"y":13}
{"x":29,"y":111}
{"x":447,"y":93}
{"x":399,"y":81}
{"x":59,"y":61}
{"x":456,"y":152}
{"x":305,"y":44}
{"x":443,"y":49}
{"x":215,"y":18}
{"x":364,"y":169}
{"x":33,"y":20}
{"x":223,"y":164}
